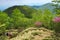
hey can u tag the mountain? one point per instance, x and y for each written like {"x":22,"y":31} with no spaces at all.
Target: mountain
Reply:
{"x":26,"y":10}
{"x":42,"y":7}
{"x":47,"y":5}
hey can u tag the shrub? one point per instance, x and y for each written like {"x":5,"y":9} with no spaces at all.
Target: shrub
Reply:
{"x":56,"y":21}
{"x":38,"y":24}
{"x":3,"y":37}
{"x":45,"y":17}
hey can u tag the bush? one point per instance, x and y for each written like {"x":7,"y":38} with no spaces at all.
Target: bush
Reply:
{"x":3,"y":37}
{"x":45,"y":17}
{"x":38,"y":24}
{"x":56,"y":21}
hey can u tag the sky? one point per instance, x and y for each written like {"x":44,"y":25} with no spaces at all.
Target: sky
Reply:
{"x":8,"y":3}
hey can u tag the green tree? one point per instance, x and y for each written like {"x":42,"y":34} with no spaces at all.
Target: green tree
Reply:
{"x":57,"y":6}
{"x":36,"y":16}
{"x":45,"y":17}
{"x":16,"y":18}
{"x":3,"y":18}
{"x":4,"y":21}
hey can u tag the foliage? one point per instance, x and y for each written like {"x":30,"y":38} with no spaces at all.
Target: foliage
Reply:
{"x":56,"y":21}
{"x":18,"y":20}
{"x":26,"y":10}
{"x":3,"y":18}
{"x":3,"y":22}
{"x":3,"y":38}
{"x":37,"y":24}
{"x":45,"y":17}
{"x":36,"y":16}
{"x":57,"y":6}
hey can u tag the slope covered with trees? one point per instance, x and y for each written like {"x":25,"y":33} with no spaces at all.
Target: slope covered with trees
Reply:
{"x":26,"y":10}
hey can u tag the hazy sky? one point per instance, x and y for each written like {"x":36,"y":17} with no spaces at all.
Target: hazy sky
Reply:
{"x":23,"y":2}
{"x":4,"y":3}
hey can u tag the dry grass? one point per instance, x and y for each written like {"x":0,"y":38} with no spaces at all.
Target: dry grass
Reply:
{"x":34,"y":34}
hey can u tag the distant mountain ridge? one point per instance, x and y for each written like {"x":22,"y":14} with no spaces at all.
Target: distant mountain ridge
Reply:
{"x":42,"y":7}
{"x":29,"y":9}
{"x":26,"y":10}
{"x":47,"y":5}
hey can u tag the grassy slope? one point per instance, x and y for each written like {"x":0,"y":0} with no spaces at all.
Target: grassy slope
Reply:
{"x":34,"y":34}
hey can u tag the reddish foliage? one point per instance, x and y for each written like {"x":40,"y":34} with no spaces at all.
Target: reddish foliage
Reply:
{"x":56,"y":19}
{"x":38,"y":23}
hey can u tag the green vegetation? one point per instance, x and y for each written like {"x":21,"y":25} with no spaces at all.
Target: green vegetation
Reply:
{"x":57,"y":6}
{"x":24,"y":17}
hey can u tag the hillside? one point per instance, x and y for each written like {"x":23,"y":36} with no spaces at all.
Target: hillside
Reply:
{"x":29,"y":9}
{"x":26,"y":10}
{"x":42,"y":7}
